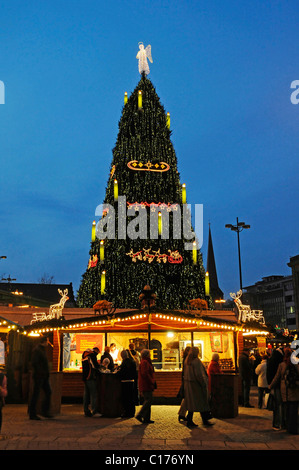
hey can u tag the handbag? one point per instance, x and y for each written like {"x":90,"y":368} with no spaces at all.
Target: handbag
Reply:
{"x":270,"y":403}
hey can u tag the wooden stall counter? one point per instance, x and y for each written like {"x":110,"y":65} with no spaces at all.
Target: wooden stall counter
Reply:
{"x":56,"y":389}
{"x":224,"y":395}
{"x":109,"y":395}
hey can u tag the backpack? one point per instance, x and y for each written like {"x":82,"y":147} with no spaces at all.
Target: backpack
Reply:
{"x":88,"y":367}
{"x":291,"y":377}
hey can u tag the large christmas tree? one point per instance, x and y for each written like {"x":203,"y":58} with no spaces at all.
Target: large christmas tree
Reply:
{"x":143,"y":178}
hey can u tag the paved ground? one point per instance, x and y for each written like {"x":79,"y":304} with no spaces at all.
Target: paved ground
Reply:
{"x":70,"y":430}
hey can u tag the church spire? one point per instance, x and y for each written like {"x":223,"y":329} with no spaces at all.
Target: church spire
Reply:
{"x":216,"y":292}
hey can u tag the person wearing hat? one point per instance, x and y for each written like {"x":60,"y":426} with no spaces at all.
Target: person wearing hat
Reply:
{"x":40,"y":376}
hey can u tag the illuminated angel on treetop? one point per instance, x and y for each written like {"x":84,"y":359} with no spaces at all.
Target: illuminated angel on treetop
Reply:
{"x":142,"y":55}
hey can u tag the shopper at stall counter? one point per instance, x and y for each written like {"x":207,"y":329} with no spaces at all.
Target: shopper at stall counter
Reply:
{"x":196,"y":392}
{"x":108,"y":355}
{"x":127,"y":373}
{"x":104,"y":366}
{"x":289,"y":396}
{"x":90,"y":369}
{"x":245,"y":370}
{"x":146,"y":384}
{"x":213,"y":368}
{"x":40,"y":377}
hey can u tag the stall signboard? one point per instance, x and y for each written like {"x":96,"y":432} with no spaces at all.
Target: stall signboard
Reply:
{"x":88,"y":341}
{"x":261,"y":344}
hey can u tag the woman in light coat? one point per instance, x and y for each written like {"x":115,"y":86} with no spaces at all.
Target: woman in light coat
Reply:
{"x":262,"y":383}
{"x":290,"y":396}
{"x":196,"y":392}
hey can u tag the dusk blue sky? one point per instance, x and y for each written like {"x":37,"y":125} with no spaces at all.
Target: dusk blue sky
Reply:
{"x":222,"y":69}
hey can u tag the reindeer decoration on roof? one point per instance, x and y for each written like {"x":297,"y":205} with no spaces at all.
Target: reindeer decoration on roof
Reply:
{"x":245,"y":312}
{"x":55,"y":310}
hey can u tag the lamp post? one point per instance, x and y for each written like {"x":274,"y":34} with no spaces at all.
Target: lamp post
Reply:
{"x":238,"y":228}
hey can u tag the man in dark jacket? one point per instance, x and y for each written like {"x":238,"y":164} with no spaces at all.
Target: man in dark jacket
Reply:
{"x":246,"y":376}
{"x":273,"y":362}
{"x":90,"y":368}
{"x":40,"y":376}
{"x":127,"y":373}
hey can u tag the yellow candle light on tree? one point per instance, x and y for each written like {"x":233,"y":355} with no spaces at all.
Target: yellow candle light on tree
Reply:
{"x":93,"y":231}
{"x":159,"y":223}
{"x":126,"y":98}
{"x":184,"y":196}
{"x":194,"y":253}
{"x":115,"y":190}
{"x":168,"y":120}
{"x":101,"y":250}
{"x":207,"y":284}
{"x":139,"y":99}
{"x":103,"y":282}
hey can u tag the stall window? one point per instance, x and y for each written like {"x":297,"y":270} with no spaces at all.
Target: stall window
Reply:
{"x":167,"y":349}
{"x":122,"y":341}
{"x":74,"y":344}
{"x":220,"y":342}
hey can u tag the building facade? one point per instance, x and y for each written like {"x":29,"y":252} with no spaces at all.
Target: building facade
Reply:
{"x":294,"y":265}
{"x":275,"y":296}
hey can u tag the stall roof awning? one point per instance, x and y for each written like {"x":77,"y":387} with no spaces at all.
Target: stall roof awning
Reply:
{"x":35,"y":318}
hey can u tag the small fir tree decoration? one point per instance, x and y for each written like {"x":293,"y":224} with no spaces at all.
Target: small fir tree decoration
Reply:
{"x":144,"y":164}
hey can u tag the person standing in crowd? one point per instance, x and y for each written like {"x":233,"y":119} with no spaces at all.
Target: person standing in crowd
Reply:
{"x":3,"y":393}
{"x":146,"y":384}
{"x":289,"y":392}
{"x":183,"y":409}
{"x":245,"y":370}
{"x":262,"y":383}
{"x":278,"y":421}
{"x":256,"y":362}
{"x":136,"y":357}
{"x":107,"y":354}
{"x":196,"y":392}
{"x":104,"y":367}
{"x":213,"y":368}
{"x":40,"y":377}
{"x":90,"y":369}
{"x":127,"y":374}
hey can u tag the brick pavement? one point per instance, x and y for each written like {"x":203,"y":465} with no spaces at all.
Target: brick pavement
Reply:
{"x":71,"y":430}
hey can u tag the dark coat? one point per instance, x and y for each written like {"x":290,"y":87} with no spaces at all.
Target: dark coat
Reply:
{"x":39,"y":363}
{"x":127,"y":370}
{"x":245,"y":367}
{"x":90,"y":367}
{"x":146,"y":375}
{"x":272,"y":365}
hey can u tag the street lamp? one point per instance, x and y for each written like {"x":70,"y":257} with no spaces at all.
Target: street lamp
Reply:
{"x":3,"y":257}
{"x":238,"y":228}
